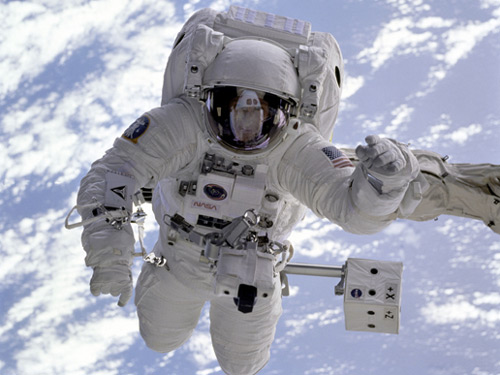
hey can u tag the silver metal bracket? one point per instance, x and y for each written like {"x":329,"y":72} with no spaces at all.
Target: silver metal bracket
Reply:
{"x":157,"y":261}
{"x":312,"y":270}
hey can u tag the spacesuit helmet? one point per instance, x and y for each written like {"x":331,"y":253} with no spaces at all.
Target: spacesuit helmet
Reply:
{"x":252,"y":90}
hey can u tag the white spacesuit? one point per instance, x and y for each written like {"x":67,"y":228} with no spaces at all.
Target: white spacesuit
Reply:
{"x":243,"y":153}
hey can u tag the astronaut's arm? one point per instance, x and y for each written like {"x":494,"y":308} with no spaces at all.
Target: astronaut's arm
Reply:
{"x":146,"y":152}
{"x":359,"y":199}
{"x":113,"y":179}
{"x":109,"y":185}
{"x":155,"y":145}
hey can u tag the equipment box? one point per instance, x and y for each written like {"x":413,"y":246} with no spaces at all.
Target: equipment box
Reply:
{"x":372,"y":299}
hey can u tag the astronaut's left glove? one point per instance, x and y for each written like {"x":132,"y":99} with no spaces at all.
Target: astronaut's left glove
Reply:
{"x":389,"y":165}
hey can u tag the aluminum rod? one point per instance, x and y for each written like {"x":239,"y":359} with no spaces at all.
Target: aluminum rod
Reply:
{"x":313,"y":270}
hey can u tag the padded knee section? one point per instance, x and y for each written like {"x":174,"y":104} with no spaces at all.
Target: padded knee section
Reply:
{"x":233,"y":363}
{"x":167,"y":310}
{"x":163,"y":342}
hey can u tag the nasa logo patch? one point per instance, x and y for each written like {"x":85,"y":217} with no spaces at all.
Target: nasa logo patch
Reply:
{"x":215,"y":192}
{"x":356,"y":293}
{"x":137,"y":129}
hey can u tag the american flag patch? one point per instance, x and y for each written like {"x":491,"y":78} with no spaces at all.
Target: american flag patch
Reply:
{"x":337,"y":157}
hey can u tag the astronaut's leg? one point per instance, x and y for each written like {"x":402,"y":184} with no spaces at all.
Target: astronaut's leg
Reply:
{"x":466,"y":190}
{"x":168,"y":311}
{"x":242,"y":341}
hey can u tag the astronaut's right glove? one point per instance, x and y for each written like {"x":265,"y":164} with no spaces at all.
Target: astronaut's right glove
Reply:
{"x":110,"y":253}
{"x":389,"y":165}
{"x":115,"y":280}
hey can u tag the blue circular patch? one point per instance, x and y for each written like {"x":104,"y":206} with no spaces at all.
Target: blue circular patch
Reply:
{"x":215,"y":192}
{"x":137,"y":129}
{"x":356,"y":293}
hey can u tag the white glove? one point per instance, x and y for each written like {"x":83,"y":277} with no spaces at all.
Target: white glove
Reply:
{"x":390,"y":165}
{"x":110,"y":254}
{"x":114,"y":279}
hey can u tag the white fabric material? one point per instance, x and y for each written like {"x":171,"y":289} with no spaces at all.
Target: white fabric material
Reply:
{"x":339,"y":194}
{"x":119,"y":191}
{"x":383,"y":157}
{"x":389,"y":167}
{"x":442,"y":188}
{"x":169,"y":310}
{"x":298,"y":173}
{"x":173,"y":80}
{"x":254,"y":64}
{"x":115,"y":279}
{"x":205,"y":45}
{"x":466,"y":190}
{"x":104,"y":244}
{"x":312,"y":66}
{"x":109,"y":253}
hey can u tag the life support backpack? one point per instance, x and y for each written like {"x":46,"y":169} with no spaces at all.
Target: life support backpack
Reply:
{"x":316,"y":56}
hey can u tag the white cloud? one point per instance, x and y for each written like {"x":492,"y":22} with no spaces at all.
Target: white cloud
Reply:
{"x":409,"y":6}
{"x":441,"y":133}
{"x":462,"y":135}
{"x":313,"y":238}
{"x":84,"y":348}
{"x":41,"y":318}
{"x":215,"y":370}
{"x":438,"y":133}
{"x":445,"y":40}
{"x":494,"y":267}
{"x":396,"y":38}
{"x":294,"y":290}
{"x":339,"y":368}
{"x":25,"y":48}
{"x":485,"y":4}
{"x":190,"y":7}
{"x":200,"y":346}
{"x":370,"y":124}
{"x":322,"y":318}
{"x":352,"y":85}
{"x":455,"y":44}
{"x":45,"y":134}
{"x":486,"y":299}
{"x":434,"y":22}
{"x":401,"y":115}
{"x":405,"y":233}
{"x":460,"y":40}
{"x":58,"y":287}
{"x":219,"y":5}
{"x":459,"y":310}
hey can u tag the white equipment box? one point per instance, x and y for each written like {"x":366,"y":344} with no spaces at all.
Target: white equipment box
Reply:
{"x":372,"y":297}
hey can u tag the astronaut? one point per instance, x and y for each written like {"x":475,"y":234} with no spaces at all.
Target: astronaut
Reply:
{"x":237,"y":156}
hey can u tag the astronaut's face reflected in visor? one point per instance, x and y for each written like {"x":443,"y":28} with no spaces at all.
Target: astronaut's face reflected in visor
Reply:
{"x":246,"y":116}
{"x":246,"y":120}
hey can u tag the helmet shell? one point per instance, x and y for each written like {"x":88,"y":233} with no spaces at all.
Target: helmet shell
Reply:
{"x":257,"y":64}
